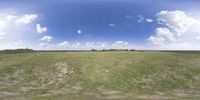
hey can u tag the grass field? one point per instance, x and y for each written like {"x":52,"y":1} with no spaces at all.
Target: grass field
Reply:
{"x":100,"y":76}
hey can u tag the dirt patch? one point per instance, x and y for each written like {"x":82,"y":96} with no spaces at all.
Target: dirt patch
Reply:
{"x":1,"y":64}
{"x":182,"y":93}
{"x":153,"y":97}
{"x":56,"y":75}
{"x":5,"y":94}
{"x":110,"y":93}
{"x":12,"y":78}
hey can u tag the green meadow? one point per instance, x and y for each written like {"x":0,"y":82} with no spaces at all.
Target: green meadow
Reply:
{"x":116,"y":75}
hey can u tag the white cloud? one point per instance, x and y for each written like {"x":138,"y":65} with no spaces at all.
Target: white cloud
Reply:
{"x":26,"y":19}
{"x":90,"y":44}
{"x":64,"y":44}
{"x":10,"y":17}
{"x":140,"y":18}
{"x":12,"y":33}
{"x":149,"y":20}
{"x":102,"y":45}
{"x":2,"y":28}
{"x":43,"y":44}
{"x":2,"y":24}
{"x":19,"y":42}
{"x":112,"y":25}
{"x":156,"y":40}
{"x":178,"y":20}
{"x":120,"y":44}
{"x":13,"y":44}
{"x":2,"y":33}
{"x":162,"y":36}
{"x":46,"y":38}
{"x":58,"y":46}
{"x":40,"y":29}
{"x":8,"y":23}
{"x":76,"y":44}
{"x":180,"y":31}
{"x":79,"y":31}
{"x":198,"y":37}
{"x":96,"y":45}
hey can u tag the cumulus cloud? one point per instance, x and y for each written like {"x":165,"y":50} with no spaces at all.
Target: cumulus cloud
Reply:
{"x":96,"y":45}
{"x":14,"y":35}
{"x":46,"y":38}
{"x":2,"y":28}
{"x":57,"y":46}
{"x":120,"y":44}
{"x":179,"y":29}
{"x":13,"y":44}
{"x":8,"y":21}
{"x":40,"y":29}
{"x":178,"y":20}
{"x":90,"y":44}
{"x":26,"y":19}
{"x":64,"y":44}
{"x":143,"y":19}
{"x":156,"y":40}
{"x":2,"y":23}
{"x":149,"y":20}
{"x":10,"y":17}
{"x":162,"y":35}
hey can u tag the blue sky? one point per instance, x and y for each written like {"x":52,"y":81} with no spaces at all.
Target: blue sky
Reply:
{"x":100,"y":24}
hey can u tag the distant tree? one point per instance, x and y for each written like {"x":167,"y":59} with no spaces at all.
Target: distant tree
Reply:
{"x":93,"y":50}
{"x":132,"y":50}
{"x":17,"y":51}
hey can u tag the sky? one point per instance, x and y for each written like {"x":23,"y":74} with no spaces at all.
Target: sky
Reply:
{"x":100,"y":24}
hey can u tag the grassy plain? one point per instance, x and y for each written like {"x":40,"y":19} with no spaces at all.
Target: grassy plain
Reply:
{"x":100,"y":76}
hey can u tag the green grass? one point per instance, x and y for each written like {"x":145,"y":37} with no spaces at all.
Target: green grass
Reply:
{"x":100,"y":75}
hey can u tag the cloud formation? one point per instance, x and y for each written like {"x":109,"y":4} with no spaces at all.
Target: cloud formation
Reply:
{"x":179,"y":29}
{"x":40,"y":29}
{"x":162,"y":35}
{"x":64,"y":44}
{"x":46,"y":38}
{"x":26,"y":19}
{"x":141,"y":18}
{"x":76,"y":44}
{"x":149,"y":20}
{"x":120,"y":44}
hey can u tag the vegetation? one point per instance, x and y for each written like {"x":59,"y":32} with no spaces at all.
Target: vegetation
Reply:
{"x":100,"y":76}
{"x":17,"y":51}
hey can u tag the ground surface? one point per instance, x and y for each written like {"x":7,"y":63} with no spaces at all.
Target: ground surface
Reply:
{"x":100,"y":76}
